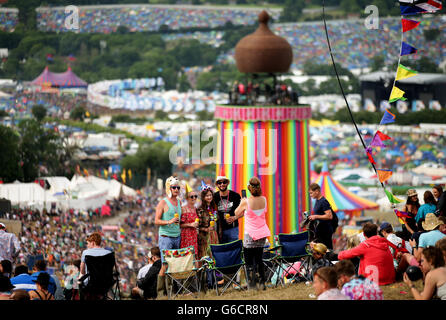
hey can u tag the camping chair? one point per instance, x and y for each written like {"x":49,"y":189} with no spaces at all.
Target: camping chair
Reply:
{"x":181,"y":274}
{"x":272,"y":267}
{"x":102,"y":278}
{"x":293,"y":250}
{"x":228,"y":261}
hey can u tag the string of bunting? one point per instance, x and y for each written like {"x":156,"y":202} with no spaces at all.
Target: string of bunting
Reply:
{"x":407,"y":7}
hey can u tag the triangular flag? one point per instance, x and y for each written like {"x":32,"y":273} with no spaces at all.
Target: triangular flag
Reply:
{"x":396,"y":94}
{"x":408,"y":10}
{"x":376,"y":142}
{"x":402,"y":214}
{"x":129,"y":171}
{"x":391,"y":197}
{"x":409,"y":24}
{"x":369,"y":155}
{"x":404,"y":72}
{"x":388,"y":117}
{"x":382,"y":136}
{"x":407,"y":49}
{"x":383,"y":174}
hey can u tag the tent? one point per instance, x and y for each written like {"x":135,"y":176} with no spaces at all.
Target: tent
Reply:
{"x":67,"y":79}
{"x":342,"y":200}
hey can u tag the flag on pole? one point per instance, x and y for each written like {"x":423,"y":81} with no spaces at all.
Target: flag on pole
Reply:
{"x":404,"y":72}
{"x":396,"y":94}
{"x":383,"y":174}
{"x":409,"y":24}
{"x":388,"y":117}
{"x":391,"y":197}
{"x":382,"y":136}
{"x":407,"y":49}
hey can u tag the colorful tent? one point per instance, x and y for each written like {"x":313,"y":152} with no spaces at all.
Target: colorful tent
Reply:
{"x":339,"y":197}
{"x":67,"y":79}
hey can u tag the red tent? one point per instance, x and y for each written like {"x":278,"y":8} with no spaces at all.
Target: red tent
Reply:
{"x":67,"y":79}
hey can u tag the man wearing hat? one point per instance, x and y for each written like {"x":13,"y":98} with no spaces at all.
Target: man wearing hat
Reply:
{"x":319,"y":260}
{"x":434,"y":226}
{"x":9,"y":244}
{"x":227,"y":201}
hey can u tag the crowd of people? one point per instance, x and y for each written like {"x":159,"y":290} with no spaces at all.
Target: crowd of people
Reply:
{"x":256,"y":93}
{"x":58,"y":244}
{"x":146,"y":18}
{"x":8,"y":20}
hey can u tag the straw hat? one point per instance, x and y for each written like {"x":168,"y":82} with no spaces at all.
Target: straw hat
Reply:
{"x":431,"y":222}
{"x":411,"y":192}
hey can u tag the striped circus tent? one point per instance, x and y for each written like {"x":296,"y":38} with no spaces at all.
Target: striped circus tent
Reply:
{"x":342,"y":200}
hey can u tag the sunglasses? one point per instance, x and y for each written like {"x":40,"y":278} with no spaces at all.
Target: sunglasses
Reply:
{"x":194,"y":196}
{"x":175,"y":187}
{"x":222,"y":182}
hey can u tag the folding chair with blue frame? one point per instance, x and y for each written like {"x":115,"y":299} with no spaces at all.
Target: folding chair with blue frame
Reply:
{"x":228,"y":261}
{"x":293,"y":247}
{"x":181,"y":274}
{"x":272,"y":266}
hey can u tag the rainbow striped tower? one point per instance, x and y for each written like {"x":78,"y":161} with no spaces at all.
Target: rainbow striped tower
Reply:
{"x":272,"y":143}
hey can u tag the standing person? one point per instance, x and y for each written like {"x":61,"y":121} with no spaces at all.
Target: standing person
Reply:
{"x":9,"y":244}
{"x":256,"y":231}
{"x":227,"y":201}
{"x":438,"y":193}
{"x":189,"y":223}
{"x":207,"y":213}
{"x":433,"y":266}
{"x":357,"y":288}
{"x":325,"y":285}
{"x":323,"y":213}
{"x":411,"y":207}
{"x":167,"y":217}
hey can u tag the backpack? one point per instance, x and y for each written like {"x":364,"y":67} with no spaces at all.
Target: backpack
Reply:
{"x":397,"y":249}
{"x":334,"y":221}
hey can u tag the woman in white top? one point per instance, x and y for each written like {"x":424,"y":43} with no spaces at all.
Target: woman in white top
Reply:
{"x":433,"y":266}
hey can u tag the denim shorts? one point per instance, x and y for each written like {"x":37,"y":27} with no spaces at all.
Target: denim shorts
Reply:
{"x":165,"y":243}
{"x":229,"y":235}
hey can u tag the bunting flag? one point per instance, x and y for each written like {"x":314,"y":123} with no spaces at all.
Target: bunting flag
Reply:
{"x":123,"y":176}
{"x":129,"y":173}
{"x":369,"y":155}
{"x":409,"y":10}
{"x":404,"y":72}
{"x":105,"y":173}
{"x":396,"y":94}
{"x":376,"y":142}
{"x":49,"y":57}
{"x":388,"y":117}
{"x":383,"y":174}
{"x":71,"y":57}
{"x":382,"y":136}
{"x":392,"y":198}
{"x":409,"y":24}
{"x":407,"y":49}
{"x":402,"y":214}
{"x":86,"y":172}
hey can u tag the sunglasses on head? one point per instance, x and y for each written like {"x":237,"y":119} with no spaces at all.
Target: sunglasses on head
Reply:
{"x":193,"y":196}
{"x":175,"y":187}
{"x":222,"y":182}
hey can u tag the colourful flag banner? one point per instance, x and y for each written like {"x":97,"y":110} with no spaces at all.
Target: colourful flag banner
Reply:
{"x":409,"y":24}
{"x":382,"y":136}
{"x":369,"y":155}
{"x":388,"y":117}
{"x":376,"y":142}
{"x":396,"y":94}
{"x":123,"y":176}
{"x":129,"y":173}
{"x":402,"y":214}
{"x":407,"y":49}
{"x":383,"y":174}
{"x":409,"y":10}
{"x":404,"y":72}
{"x":391,"y":197}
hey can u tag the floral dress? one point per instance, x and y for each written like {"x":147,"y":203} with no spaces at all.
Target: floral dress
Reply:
{"x":206,"y":238}
{"x":189,"y":236}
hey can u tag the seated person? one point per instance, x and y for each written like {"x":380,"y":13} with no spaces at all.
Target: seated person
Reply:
{"x":376,"y":261}
{"x":147,"y":286}
{"x":356,"y":287}
{"x":319,"y":259}
{"x":22,"y":279}
{"x":325,"y":285}
{"x":41,"y":293}
{"x":435,"y":228}
{"x":433,"y":266}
